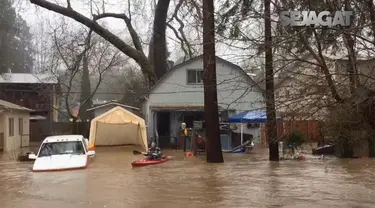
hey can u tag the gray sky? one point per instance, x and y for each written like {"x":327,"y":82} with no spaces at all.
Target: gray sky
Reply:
{"x":36,"y":17}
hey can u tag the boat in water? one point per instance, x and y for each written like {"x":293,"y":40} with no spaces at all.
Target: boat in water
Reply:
{"x":240,"y":148}
{"x":328,"y":149}
{"x":146,"y":161}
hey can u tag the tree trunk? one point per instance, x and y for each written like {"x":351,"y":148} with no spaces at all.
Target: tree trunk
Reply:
{"x":270,"y":89}
{"x":158,"y":44}
{"x":213,"y":144}
{"x":85,"y":97}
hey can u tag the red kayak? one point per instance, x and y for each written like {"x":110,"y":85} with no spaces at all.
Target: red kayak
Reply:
{"x":145,"y":162}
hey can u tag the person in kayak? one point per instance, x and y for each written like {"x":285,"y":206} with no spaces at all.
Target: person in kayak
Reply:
{"x":154,"y":152}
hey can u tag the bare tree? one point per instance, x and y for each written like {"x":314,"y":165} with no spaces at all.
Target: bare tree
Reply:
{"x":153,"y":67}
{"x":330,"y":67}
{"x":77,"y":59}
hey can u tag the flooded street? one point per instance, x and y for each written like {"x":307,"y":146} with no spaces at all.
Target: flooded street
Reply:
{"x":242,"y":181}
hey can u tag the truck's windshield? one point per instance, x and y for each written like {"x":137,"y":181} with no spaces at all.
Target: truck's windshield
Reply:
{"x":60,"y":148}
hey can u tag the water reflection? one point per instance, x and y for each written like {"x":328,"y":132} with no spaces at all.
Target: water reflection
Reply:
{"x":242,"y":181}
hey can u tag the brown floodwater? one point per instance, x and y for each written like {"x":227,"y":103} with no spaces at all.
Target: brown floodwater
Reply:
{"x":244,"y":180}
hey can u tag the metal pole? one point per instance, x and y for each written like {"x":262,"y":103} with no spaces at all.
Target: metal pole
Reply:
{"x":241,"y":133}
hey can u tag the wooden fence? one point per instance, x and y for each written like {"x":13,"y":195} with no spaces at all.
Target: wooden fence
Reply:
{"x":39,"y":130}
{"x":1,"y":141}
{"x":310,"y":128}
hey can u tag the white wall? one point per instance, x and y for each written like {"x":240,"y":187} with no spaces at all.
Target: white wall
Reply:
{"x":234,"y":90}
{"x":14,"y":142}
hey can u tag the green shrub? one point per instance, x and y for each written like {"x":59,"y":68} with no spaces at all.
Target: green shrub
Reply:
{"x":296,"y":139}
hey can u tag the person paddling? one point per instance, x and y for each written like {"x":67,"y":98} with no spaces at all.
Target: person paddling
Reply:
{"x":154,"y":152}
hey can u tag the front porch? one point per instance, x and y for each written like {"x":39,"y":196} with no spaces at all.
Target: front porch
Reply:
{"x":166,"y":122}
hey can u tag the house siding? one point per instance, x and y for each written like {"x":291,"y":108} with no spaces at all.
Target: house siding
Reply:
{"x":297,"y":91}
{"x":235,"y":90}
{"x":100,"y":111}
{"x":232,"y":85}
{"x":14,"y":142}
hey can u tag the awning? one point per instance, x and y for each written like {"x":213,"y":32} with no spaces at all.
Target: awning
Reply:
{"x":253,"y":116}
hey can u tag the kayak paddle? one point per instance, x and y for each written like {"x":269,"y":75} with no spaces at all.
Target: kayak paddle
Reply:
{"x":135,"y":152}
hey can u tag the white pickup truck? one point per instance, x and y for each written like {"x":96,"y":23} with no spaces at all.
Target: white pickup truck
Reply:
{"x":63,"y":152}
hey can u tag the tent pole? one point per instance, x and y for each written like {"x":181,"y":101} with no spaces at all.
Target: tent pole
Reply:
{"x":241,"y":133}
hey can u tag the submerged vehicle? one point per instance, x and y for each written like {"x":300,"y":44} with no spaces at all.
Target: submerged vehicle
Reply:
{"x":146,"y":161}
{"x":328,"y":149}
{"x":63,"y":152}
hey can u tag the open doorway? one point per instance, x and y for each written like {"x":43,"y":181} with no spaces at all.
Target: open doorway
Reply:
{"x":163,"y":128}
{"x":190,"y":117}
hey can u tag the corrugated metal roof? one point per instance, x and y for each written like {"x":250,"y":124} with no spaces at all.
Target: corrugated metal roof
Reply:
{"x":11,"y":106}
{"x":28,"y":78}
{"x":113,"y":103}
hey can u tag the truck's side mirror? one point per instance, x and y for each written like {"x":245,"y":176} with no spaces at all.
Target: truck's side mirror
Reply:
{"x":91,"y":153}
{"x":32,"y":157}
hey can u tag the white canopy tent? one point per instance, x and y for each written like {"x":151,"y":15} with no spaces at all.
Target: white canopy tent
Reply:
{"x":118,"y":127}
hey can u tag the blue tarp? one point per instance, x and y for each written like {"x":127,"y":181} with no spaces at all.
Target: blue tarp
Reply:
{"x":254,"y":116}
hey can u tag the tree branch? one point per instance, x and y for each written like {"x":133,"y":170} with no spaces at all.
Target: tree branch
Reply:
{"x":69,"y":5}
{"x":139,"y":57}
{"x":127,"y":20}
{"x":183,"y":38}
{"x":320,"y":59}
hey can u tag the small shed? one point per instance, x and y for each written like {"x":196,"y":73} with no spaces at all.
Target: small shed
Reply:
{"x":14,"y":126}
{"x":99,"y":109}
{"x":118,"y":126}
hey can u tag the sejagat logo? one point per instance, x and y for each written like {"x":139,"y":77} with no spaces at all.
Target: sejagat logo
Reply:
{"x":309,"y":18}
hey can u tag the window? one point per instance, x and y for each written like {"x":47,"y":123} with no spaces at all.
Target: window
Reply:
{"x":231,"y":113}
{"x":277,"y":94}
{"x":286,"y":92}
{"x":62,"y":148}
{"x":194,"y":76}
{"x":11,"y":127}
{"x":320,"y":89}
{"x":303,"y":91}
{"x":20,"y":126}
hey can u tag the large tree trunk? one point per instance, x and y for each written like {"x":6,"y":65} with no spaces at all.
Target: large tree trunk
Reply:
{"x":270,"y":89}
{"x":213,"y":144}
{"x":85,"y":97}
{"x":158,"y":44}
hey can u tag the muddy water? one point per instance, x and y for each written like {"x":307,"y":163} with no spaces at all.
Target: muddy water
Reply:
{"x":242,"y":181}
